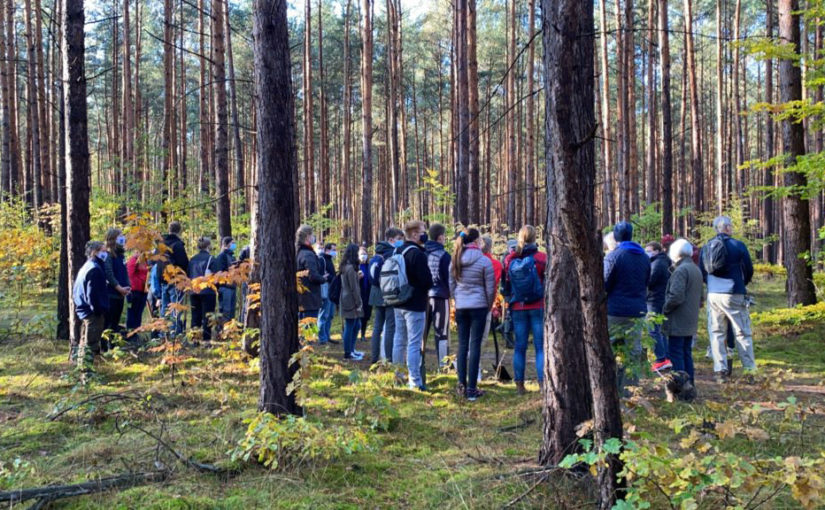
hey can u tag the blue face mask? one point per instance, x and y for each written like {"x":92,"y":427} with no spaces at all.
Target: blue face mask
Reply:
{"x":102,"y":255}
{"x":121,"y":240}
{"x":333,"y":254}
{"x":233,"y":246}
{"x":399,"y":243}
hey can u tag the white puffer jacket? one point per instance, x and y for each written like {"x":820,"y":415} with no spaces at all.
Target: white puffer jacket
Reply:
{"x":477,"y":286}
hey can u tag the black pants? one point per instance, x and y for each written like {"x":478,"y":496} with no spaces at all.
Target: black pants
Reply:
{"x":202,"y":304}
{"x":471,"y":323}
{"x":438,"y":317}
{"x":365,"y":319}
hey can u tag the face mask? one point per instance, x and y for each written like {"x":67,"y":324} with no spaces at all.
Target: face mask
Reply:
{"x":362,"y":257}
{"x":650,"y":254}
{"x":232,"y":246}
{"x":121,"y":240}
{"x":399,"y":243}
{"x":102,"y":255}
{"x":423,"y":238}
{"x":333,"y":254}
{"x":312,"y":240}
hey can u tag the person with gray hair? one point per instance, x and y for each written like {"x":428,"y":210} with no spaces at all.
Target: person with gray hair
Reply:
{"x":309,"y":301}
{"x":683,"y":298}
{"x":727,"y":269}
{"x":91,"y":301}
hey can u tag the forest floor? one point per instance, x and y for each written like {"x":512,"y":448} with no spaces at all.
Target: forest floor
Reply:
{"x":438,"y":451}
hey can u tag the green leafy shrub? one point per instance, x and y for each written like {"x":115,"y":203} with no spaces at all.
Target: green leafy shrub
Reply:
{"x":290,"y":442}
{"x":796,"y":318}
{"x":770,"y":271}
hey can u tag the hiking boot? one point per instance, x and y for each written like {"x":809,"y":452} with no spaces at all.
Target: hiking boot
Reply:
{"x":729,"y":371}
{"x":659,"y":366}
{"x":722,"y":377}
{"x":474,"y":394}
{"x":520,"y":388}
{"x":460,"y":390}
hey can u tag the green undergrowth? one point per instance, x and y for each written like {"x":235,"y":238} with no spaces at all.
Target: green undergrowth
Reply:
{"x":367,"y":442}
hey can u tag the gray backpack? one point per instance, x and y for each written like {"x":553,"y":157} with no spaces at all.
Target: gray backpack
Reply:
{"x":395,"y":287}
{"x":715,"y":255}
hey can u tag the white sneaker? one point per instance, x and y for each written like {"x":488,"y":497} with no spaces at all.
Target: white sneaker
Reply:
{"x":357,"y":356}
{"x":357,"y":353}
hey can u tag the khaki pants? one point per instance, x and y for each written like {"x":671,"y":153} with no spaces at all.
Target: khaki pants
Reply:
{"x":90,"y":335}
{"x":724,"y":309}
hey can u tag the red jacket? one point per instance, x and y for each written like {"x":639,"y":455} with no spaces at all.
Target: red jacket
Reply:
{"x":497,"y":268}
{"x":137,"y":274}
{"x":541,"y":264}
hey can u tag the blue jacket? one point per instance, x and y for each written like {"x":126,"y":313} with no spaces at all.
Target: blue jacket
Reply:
{"x":438,"y":260}
{"x":626,"y":275}
{"x":89,"y":293}
{"x":383,"y":251}
{"x":116,"y":273}
{"x":738,"y":270}
{"x":198,"y":266}
{"x":154,"y":280}
{"x":656,"y":287}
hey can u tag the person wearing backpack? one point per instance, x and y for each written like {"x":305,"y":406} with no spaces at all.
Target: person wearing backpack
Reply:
{"x":405,"y":283}
{"x":309,"y":302}
{"x":626,"y":277}
{"x":327,"y":312}
{"x":727,"y":269}
{"x":352,"y":308}
{"x":203,"y":301}
{"x":438,"y":303}
{"x":524,"y":288}
{"x":365,"y":283}
{"x":659,"y":276}
{"x":117,"y":278}
{"x":383,"y":326}
{"x":473,"y":285}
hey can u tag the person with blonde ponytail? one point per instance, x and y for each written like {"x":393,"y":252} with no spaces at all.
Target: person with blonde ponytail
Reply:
{"x":473,"y":286}
{"x":524,"y":288}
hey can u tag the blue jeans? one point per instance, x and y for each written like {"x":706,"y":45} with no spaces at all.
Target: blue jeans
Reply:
{"x":227,"y":302}
{"x":471,"y":324}
{"x":325,"y":317}
{"x":383,"y":331}
{"x":409,"y":333}
{"x":681,"y":355}
{"x":660,"y":346}
{"x":170,"y":294}
{"x":524,"y":322}
{"x":134,"y":315}
{"x":351,"y":327}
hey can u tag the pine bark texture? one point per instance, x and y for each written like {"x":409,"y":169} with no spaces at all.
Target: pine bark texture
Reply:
{"x":221,"y":119}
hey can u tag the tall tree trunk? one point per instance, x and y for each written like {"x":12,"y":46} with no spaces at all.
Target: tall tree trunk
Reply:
{"x":221,"y":120}
{"x":34,"y":191}
{"x":78,"y":169}
{"x":16,"y":164}
{"x":529,"y":167}
{"x":462,"y":99}
{"x":570,"y":151}
{"x":697,"y":171}
{"x":512,"y":150}
{"x":391,"y":107}
{"x":170,"y":128}
{"x":203,"y":94}
{"x":237,"y":146}
{"x":720,"y":112}
{"x":309,"y":138}
{"x":622,"y":158}
{"x":768,"y":227}
{"x":367,"y":233}
{"x":667,"y":126}
{"x":5,"y":151}
{"x":276,"y":211}
{"x":183,"y":169}
{"x":737,"y":100}
{"x":652,"y":194}
{"x":346,"y":170}
{"x":324,"y":161}
{"x":45,"y":172}
{"x":607,"y":187}
{"x":797,"y":238}
{"x":128,"y":118}
{"x":472,"y":94}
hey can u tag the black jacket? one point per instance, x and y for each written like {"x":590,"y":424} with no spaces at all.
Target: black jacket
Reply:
{"x":224,"y":261}
{"x":307,"y":260}
{"x":418,"y":274}
{"x":327,"y":266}
{"x":656,"y":287}
{"x":177,"y":254}
{"x":439,"y":262}
{"x":198,"y":267}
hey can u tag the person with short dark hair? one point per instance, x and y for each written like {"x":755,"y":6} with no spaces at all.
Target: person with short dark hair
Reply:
{"x":365,"y":284}
{"x":659,"y":276}
{"x":176,"y":257}
{"x":626,"y":276}
{"x":327,"y":313}
{"x":226,"y":291}
{"x":91,"y":300}
{"x":352,"y":308}
{"x":117,"y":277}
{"x":383,"y":327}
{"x":438,"y":303}
{"x":203,"y":301}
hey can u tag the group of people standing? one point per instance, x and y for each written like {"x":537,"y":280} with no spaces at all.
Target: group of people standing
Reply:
{"x":108,"y":281}
{"x":668,"y":278}
{"x":407,"y":286}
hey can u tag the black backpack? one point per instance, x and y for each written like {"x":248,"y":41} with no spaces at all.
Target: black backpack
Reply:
{"x":715,"y":255}
{"x":335,"y":290}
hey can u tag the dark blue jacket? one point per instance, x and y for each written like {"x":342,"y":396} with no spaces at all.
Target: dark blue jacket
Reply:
{"x":224,"y":261}
{"x":177,"y":255}
{"x":656,"y":287}
{"x":198,"y":267}
{"x":89,"y":293}
{"x":418,"y":275}
{"x":383,"y":251}
{"x":307,"y":260}
{"x":116,"y":273}
{"x":438,"y":260}
{"x":626,"y":275}
{"x":738,"y":270}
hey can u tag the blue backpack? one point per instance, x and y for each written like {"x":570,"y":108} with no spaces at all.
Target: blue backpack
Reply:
{"x":525,"y":284}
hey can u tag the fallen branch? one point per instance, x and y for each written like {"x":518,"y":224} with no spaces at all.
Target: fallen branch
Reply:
{"x":188,"y":462}
{"x":52,"y":492}
{"x":524,"y":494}
{"x":105,"y":397}
{"x":525,"y":422}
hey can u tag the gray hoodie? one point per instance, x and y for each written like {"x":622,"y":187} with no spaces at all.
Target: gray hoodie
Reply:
{"x":477,"y":287}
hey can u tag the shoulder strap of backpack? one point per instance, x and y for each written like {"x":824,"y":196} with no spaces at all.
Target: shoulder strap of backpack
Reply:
{"x":408,"y":248}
